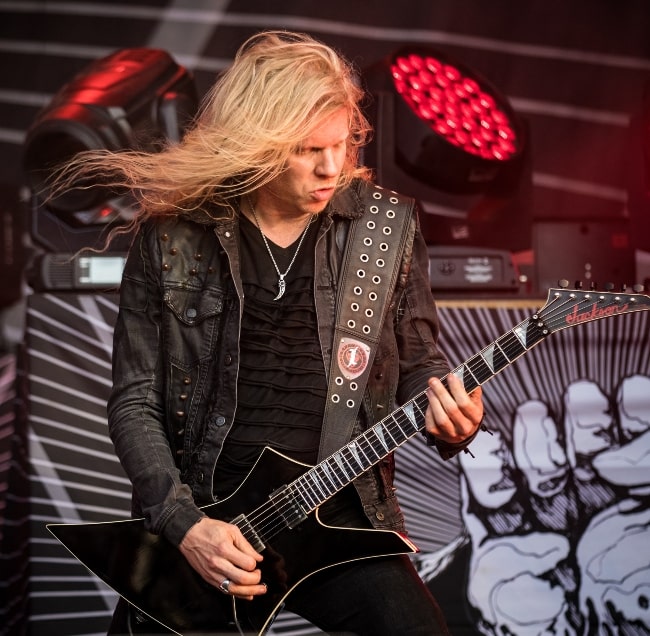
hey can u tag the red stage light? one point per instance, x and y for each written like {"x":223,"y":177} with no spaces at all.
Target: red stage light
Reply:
{"x":451,"y":129}
{"x":455,"y":106}
{"x":134,"y":98}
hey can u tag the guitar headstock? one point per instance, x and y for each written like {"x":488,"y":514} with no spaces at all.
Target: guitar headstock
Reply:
{"x":569,"y":307}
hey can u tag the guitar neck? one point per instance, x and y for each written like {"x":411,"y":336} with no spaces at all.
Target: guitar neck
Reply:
{"x":325,"y":479}
{"x":563,"y":309}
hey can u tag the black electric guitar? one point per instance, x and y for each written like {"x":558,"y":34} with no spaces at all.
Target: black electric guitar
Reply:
{"x":276,"y":506}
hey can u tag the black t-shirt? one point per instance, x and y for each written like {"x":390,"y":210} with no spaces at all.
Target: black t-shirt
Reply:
{"x":282,"y":386}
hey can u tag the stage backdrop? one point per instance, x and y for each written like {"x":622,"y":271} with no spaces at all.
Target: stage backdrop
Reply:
{"x":545,"y":530}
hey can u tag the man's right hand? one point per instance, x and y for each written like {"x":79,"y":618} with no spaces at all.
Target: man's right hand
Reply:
{"x":218,"y":552}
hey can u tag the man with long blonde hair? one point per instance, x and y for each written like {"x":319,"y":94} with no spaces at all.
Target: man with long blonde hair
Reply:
{"x":239,"y":330}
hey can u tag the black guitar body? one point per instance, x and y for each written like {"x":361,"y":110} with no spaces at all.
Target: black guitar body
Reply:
{"x":152,"y":574}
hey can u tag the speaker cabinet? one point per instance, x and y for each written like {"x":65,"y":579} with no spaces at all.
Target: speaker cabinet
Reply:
{"x":587,"y":251}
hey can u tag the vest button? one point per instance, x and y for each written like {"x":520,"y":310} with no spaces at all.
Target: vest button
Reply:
{"x":380,"y":515}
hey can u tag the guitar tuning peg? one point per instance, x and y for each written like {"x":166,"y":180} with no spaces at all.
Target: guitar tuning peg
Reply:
{"x":609,"y":287}
{"x":563,"y":283}
{"x":593,"y":286}
{"x":578,"y":284}
{"x":638,"y":288}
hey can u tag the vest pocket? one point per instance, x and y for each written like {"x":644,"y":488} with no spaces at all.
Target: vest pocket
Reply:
{"x":191,"y":319}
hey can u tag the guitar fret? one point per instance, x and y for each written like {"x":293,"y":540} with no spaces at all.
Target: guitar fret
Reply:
{"x":353,"y":448}
{"x":461,"y":374}
{"x":480,"y":369}
{"x":407,"y":409}
{"x":504,"y":343}
{"x":402,"y":437}
{"x":498,"y":358}
{"x":403,"y":434}
{"x":511,"y":349}
{"x":336,"y":477}
{"x":317,"y":483}
{"x":421,"y":407}
{"x":338,"y":458}
{"x":520,"y":332}
{"x":368,"y":462}
{"x":365,"y":438}
{"x":307,"y":491}
{"x":395,"y":444}
{"x":378,"y":447}
{"x":347,"y":458}
{"x":379,"y":435}
{"x":500,"y":353}
{"x":327,"y":477}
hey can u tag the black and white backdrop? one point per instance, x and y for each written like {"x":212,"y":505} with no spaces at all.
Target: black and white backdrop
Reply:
{"x":544,"y":531}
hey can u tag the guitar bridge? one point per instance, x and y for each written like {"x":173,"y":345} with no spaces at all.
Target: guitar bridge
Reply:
{"x":287,"y":507}
{"x":249,"y":532}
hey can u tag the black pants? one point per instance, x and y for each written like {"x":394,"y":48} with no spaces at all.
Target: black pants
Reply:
{"x":370,"y":597}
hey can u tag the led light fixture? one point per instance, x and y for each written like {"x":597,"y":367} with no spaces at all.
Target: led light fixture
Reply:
{"x":452,"y":128}
{"x":133,"y":99}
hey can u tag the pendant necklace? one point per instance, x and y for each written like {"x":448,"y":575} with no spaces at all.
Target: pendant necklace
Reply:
{"x":281,"y":282}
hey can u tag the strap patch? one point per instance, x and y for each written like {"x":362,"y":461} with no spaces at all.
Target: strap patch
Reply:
{"x":353,"y":356}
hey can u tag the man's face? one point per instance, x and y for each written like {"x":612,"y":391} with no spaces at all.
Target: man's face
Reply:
{"x":312,"y":172}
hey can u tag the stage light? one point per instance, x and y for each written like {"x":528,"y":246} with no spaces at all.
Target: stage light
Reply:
{"x":446,"y":136}
{"x":132,"y":99}
{"x":453,"y":130}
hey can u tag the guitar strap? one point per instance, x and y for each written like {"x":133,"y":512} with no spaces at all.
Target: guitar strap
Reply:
{"x":370,"y":268}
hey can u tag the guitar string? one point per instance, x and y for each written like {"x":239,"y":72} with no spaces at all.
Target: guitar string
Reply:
{"x":342,"y":477}
{"x":549,"y":320}
{"x":266,"y":515}
{"x":512,"y":348}
{"x":509,"y":342}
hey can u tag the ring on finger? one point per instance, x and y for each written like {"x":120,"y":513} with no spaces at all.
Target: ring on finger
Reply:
{"x":224,"y":586}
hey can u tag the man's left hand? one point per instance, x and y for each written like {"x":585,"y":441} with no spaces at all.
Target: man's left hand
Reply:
{"x":453,"y":415}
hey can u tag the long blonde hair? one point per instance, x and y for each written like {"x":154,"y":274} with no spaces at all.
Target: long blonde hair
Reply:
{"x":279,"y":87}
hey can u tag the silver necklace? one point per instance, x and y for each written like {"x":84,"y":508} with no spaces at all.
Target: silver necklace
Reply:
{"x":281,"y":282}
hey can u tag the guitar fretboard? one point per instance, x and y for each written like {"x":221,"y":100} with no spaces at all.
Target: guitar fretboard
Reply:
{"x":288,"y":506}
{"x":325,"y":479}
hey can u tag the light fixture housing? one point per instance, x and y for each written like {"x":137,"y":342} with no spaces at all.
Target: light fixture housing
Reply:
{"x":452,"y":129}
{"x":132,"y":99}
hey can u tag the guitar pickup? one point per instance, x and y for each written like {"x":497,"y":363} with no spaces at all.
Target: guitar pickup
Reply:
{"x":287,"y":507}
{"x":249,"y":532}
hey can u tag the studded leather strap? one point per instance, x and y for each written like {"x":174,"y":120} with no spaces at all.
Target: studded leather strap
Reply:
{"x":370,"y":269}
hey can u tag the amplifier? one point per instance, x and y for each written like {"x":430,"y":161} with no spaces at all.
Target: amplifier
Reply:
{"x":81,"y":271}
{"x":453,"y":267}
